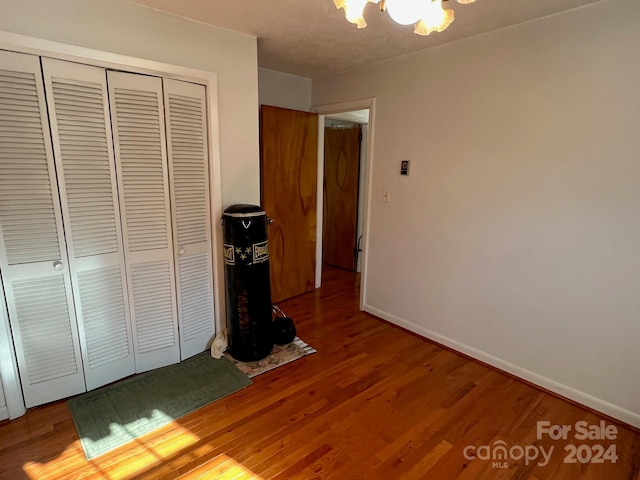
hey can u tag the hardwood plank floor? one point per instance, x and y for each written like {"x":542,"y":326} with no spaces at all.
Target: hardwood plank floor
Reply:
{"x":374,"y":402}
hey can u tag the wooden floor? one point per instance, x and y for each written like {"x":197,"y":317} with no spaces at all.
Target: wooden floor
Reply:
{"x":374,"y":402}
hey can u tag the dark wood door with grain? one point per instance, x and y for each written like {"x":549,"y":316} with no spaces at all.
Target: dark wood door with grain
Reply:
{"x":289,"y":153}
{"x":341,"y":169}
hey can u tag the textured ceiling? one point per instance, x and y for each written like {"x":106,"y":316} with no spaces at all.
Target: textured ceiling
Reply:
{"x":312,"y":38}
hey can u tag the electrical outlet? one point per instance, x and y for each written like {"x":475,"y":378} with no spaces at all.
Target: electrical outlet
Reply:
{"x":386,"y":196}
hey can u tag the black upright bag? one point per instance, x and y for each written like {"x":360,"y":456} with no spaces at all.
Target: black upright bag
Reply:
{"x":246,"y":258}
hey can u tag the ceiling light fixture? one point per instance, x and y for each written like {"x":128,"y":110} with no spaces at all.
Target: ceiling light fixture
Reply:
{"x":426,"y":15}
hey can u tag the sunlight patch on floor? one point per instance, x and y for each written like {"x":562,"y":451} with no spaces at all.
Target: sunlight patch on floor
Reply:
{"x":222,"y":467}
{"x":172,"y":448}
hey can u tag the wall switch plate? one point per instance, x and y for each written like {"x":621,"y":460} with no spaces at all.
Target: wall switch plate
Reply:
{"x":404,"y":167}
{"x":385,"y":196}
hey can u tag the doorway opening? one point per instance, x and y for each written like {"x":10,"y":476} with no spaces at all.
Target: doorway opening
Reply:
{"x":343,"y":189}
{"x":344,"y":159}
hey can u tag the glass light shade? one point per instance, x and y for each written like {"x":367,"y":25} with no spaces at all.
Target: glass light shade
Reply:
{"x":406,"y":12}
{"x":354,"y":10}
{"x":434,"y":19}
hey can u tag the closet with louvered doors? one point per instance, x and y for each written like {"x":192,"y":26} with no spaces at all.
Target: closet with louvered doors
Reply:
{"x":106,"y":266}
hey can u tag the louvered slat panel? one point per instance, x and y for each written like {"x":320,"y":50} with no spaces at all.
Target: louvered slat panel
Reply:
{"x":32,"y":255}
{"x":195,"y":297}
{"x":44,"y":324}
{"x":26,"y":203}
{"x":82,"y":140}
{"x":104,"y":315}
{"x":142,"y":167}
{"x":189,"y":170}
{"x":152,"y":290}
{"x":75,"y":102}
{"x":137,"y":114}
{"x":189,"y":162}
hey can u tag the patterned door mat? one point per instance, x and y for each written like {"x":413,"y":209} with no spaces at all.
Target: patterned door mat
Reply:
{"x":281,"y":355}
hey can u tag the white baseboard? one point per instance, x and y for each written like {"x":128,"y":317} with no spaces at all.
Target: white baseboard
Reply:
{"x":582,"y":398}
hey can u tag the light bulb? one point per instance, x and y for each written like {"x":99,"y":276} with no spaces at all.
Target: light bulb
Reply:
{"x":406,"y":12}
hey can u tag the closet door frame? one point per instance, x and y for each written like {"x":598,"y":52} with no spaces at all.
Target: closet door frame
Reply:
{"x":61,"y":51}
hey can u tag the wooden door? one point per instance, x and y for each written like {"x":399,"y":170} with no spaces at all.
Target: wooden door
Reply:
{"x":341,"y":171}
{"x":289,"y":150}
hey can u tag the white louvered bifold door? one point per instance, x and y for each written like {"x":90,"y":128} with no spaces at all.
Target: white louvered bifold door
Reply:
{"x":137,"y":117}
{"x":185,"y":106}
{"x":83,"y":147}
{"x":33,"y":259}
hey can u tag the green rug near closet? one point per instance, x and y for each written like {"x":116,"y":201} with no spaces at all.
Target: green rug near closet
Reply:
{"x":111,"y":416}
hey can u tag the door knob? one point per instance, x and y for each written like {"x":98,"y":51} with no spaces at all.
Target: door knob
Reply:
{"x":58,"y":266}
{"x":181,"y":251}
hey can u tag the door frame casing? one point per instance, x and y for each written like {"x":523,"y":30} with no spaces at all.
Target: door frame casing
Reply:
{"x":331,"y":109}
{"x":63,"y":51}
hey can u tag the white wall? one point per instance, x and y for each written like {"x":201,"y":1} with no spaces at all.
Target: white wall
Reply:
{"x":284,"y":90}
{"x":121,"y":27}
{"x":516,"y":237}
